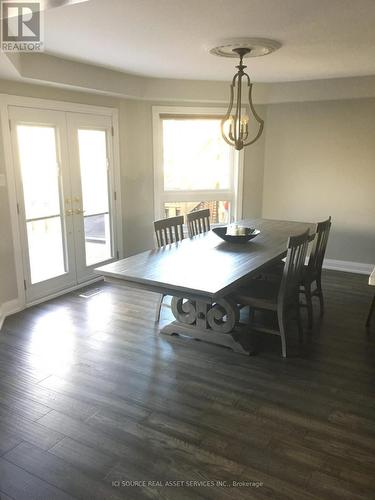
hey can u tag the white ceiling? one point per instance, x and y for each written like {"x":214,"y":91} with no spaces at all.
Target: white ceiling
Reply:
{"x":170,"y":38}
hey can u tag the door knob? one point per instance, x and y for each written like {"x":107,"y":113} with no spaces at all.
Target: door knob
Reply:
{"x":79,"y":211}
{"x":69,"y":212}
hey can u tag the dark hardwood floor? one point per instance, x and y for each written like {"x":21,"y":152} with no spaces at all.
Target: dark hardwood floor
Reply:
{"x":93,"y":399}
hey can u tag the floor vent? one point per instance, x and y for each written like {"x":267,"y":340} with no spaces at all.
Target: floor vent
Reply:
{"x":86,"y":294}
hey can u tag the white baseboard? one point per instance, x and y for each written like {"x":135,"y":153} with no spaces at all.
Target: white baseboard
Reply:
{"x":64,"y":291}
{"x":8,"y":308}
{"x":348,"y":266}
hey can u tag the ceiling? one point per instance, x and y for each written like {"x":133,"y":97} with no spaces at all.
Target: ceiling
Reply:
{"x":170,"y":38}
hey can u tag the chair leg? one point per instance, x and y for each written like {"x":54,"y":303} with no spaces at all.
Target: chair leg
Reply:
{"x":299,"y":321}
{"x":320,"y":295}
{"x":251,"y":315}
{"x":370,"y":313}
{"x":281,"y":321}
{"x":158,"y":307}
{"x":309,"y":304}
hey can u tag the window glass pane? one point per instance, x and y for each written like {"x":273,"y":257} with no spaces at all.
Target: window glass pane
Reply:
{"x":219,"y":210}
{"x":94,"y":173}
{"x":39,"y":170}
{"x":195,"y":156}
{"x":46,"y":251}
{"x":97,"y":238}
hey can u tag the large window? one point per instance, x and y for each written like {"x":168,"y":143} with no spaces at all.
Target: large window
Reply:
{"x":194,"y":167}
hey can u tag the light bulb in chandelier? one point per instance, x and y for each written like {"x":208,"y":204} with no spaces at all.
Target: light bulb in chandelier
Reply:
{"x":228,"y":127}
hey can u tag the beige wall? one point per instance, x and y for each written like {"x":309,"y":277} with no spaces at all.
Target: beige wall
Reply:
{"x":320,"y":161}
{"x":253,"y":175}
{"x":317,"y":159}
{"x":8,"y":288}
{"x":136,"y":157}
{"x":137,"y":175}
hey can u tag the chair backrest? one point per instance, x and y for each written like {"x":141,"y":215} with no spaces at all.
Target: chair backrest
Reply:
{"x":314,"y":266}
{"x":294,"y":264}
{"x":169,"y":230}
{"x":198,"y":222}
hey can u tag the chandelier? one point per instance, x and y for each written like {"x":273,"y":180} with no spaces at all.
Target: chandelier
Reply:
{"x":241,"y":115}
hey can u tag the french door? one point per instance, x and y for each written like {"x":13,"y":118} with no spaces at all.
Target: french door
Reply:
{"x":65,"y":196}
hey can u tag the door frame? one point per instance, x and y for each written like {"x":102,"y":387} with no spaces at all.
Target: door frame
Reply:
{"x":10,"y":166}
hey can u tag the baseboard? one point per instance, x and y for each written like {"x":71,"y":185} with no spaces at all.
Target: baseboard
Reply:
{"x":8,"y":308}
{"x":64,"y":291}
{"x":348,"y":266}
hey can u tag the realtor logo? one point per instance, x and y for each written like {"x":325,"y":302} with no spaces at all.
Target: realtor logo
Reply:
{"x":21,"y":26}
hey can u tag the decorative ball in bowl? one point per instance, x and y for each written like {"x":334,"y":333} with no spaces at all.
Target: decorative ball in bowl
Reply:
{"x":238,"y":234}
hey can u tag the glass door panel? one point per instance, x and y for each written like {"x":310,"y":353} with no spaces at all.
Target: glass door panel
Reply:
{"x":90,"y":144}
{"x":46,"y":251}
{"x":41,"y":193}
{"x":39,"y":148}
{"x":97,"y":238}
{"x":93,"y":164}
{"x":39,"y":170}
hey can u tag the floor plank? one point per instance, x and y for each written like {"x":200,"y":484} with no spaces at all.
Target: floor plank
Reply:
{"x":65,"y":477}
{"x":19,"y":484}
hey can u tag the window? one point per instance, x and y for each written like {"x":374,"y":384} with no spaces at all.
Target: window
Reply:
{"x":194,"y":167}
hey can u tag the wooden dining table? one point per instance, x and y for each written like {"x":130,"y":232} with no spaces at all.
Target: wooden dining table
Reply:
{"x":201,"y":272}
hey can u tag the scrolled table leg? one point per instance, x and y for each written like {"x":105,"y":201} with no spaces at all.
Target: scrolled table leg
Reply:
{"x":223,"y":316}
{"x":184,"y":310}
{"x":215,"y":322}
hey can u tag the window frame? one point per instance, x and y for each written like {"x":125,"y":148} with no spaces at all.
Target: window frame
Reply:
{"x":233,"y":195}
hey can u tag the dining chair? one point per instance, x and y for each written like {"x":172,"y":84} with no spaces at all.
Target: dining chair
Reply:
{"x":312,"y":271}
{"x":167,"y":231}
{"x":198,"y":222}
{"x":279,"y":297}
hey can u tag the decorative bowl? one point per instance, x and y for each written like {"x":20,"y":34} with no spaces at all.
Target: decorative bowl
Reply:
{"x":222,"y":233}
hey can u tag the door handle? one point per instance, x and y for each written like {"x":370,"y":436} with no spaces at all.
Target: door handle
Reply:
{"x":69,"y":211}
{"x":79,"y":211}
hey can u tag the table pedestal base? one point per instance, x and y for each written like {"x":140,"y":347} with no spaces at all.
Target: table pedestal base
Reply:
{"x":216,"y":323}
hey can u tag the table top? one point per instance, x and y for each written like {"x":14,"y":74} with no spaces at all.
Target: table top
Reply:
{"x":205,"y":265}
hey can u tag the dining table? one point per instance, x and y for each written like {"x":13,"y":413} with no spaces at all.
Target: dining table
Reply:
{"x":201,"y":272}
